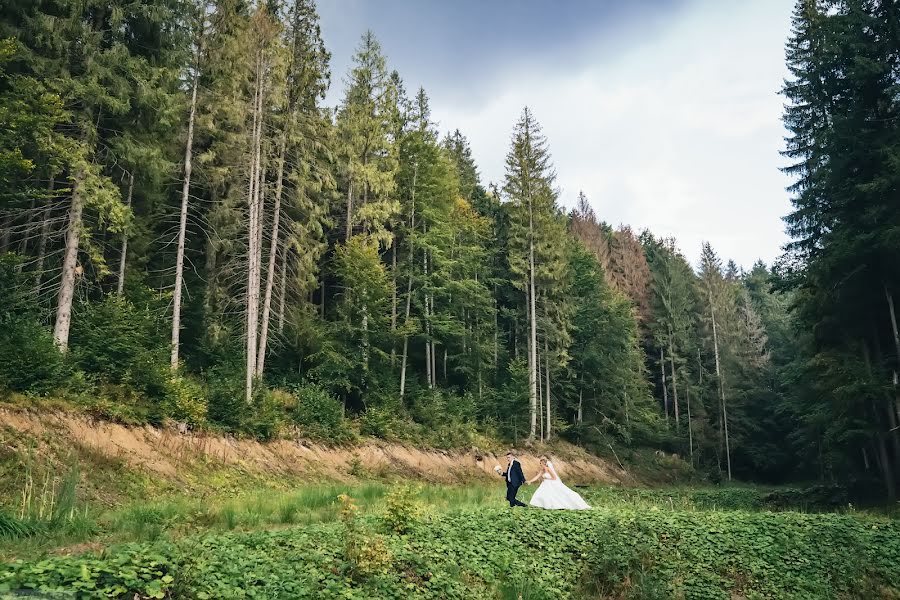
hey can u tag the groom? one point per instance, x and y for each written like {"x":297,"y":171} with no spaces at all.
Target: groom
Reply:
{"x":514,"y":479}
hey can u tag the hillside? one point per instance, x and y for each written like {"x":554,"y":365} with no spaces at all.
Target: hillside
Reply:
{"x":175,"y":461}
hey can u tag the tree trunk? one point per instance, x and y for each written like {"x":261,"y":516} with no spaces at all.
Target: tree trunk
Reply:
{"x":273,"y":252}
{"x":282,"y":289}
{"x":42,"y":243}
{"x":579,"y":417}
{"x":890,"y":302}
{"x":662,"y":370}
{"x":182,"y":229}
{"x":547,"y":395}
{"x":687,"y":394}
{"x":719,"y":376}
{"x":540,"y":397}
{"x":674,"y":387}
{"x":886,"y":471}
{"x":121,"y":285}
{"x":496,"y":333}
{"x":70,"y":262}
{"x":349,"y":229}
{"x":428,"y":345}
{"x":532,"y":317}
{"x":394,"y":301}
{"x":253,"y":236}
{"x":409,"y":282}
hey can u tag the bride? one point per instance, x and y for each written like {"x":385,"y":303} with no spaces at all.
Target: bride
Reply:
{"x":553,"y":493}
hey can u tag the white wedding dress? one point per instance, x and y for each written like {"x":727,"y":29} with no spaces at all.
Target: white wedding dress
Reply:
{"x":553,"y":494}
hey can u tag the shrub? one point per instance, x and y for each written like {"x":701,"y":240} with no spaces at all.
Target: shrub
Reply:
{"x":378,"y":422}
{"x":320,"y":414}
{"x":227,"y":406}
{"x":265,"y":418}
{"x":365,"y":554}
{"x":402,"y":511}
{"x":185,"y":400}
{"x":29,"y":362}
{"x":119,"y":343}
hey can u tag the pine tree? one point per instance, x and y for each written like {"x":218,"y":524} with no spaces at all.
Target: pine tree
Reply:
{"x":529,"y":186}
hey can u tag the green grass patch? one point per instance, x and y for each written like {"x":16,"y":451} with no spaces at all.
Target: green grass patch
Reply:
{"x":619,"y":552}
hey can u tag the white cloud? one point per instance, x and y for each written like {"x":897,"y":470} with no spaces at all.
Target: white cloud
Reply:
{"x":680,"y":135}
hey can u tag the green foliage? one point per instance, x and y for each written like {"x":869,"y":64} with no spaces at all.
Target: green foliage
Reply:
{"x":402,"y":510}
{"x":319,"y":414}
{"x":186,"y":400}
{"x":120,"y":343}
{"x":616,"y":552}
{"x":29,"y":362}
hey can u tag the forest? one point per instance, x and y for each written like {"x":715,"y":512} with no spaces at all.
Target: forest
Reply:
{"x":188,"y":233}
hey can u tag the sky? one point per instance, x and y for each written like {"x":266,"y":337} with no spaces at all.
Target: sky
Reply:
{"x":666,"y":113}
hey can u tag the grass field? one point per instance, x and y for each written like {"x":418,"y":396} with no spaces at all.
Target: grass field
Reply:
{"x":395,"y":541}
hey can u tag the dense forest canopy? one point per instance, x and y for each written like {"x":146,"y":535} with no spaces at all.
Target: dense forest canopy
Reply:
{"x":188,"y":232}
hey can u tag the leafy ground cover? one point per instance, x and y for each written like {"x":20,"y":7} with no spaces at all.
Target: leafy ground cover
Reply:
{"x":407,"y":551}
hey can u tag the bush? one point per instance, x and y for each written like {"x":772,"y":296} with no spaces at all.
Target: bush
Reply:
{"x":120,"y":343}
{"x":378,"y":422}
{"x":265,"y":418}
{"x":225,"y":392}
{"x":402,"y":510}
{"x":29,"y":361}
{"x":319,"y":414}
{"x":185,"y":400}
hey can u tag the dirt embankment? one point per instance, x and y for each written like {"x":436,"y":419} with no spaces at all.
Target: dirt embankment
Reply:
{"x":164,"y":452}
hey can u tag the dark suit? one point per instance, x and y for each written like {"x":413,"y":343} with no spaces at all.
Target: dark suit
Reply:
{"x":514,"y":479}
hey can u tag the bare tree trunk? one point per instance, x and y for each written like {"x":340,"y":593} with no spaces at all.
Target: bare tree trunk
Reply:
{"x":253,"y":235}
{"x":428,"y":345}
{"x":547,"y":395}
{"x":349,"y":210}
{"x":890,"y":301}
{"x":532,"y":314}
{"x":540,"y":397}
{"x":45,"y":233}
{"x":412,"y":255}
{"x":433,"y":342}
{"x":687,"y":393}
{"x":282,"y":287}
{"x":719,"y":376}
{"x":121,"y":285}
{"x":580,"y":416}
{"x":662,"y":370}
{"x":674,"y":387}
{"x":886,"y":471}
{"x":273,"y":252}
{"x":70,"y":262}
{"x":182,"y":229}
{"x":393,"y":301}
{"x":496,"y":333}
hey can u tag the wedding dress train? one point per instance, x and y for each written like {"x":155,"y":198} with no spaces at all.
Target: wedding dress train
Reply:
{"x":553,"y":494}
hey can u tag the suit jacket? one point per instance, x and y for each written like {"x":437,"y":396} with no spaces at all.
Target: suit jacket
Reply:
{"x":514,"y":475}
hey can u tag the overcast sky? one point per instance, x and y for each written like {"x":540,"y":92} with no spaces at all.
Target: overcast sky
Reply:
{"x":665,"y":112}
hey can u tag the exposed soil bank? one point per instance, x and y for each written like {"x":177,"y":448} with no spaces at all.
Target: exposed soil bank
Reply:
{"x":166,"y":452}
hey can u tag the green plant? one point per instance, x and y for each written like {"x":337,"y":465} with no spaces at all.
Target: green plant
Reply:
{"x":365,"y":553}
{"x":121,"y":343}
{"x":402,"y":510}
{"x":186,"y":400}
{"x":320,"y":414}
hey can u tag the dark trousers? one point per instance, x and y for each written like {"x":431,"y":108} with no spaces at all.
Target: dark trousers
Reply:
{"x":511,"y":491}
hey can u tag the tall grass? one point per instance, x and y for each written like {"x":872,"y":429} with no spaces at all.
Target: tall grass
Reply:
{"x":48,"y":505}
{"x":268,"y":508}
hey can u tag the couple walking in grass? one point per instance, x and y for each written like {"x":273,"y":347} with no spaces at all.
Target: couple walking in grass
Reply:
{"x":551,"y":494}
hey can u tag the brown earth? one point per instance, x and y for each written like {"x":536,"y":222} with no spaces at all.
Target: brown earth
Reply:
{"x":165,"y":452}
